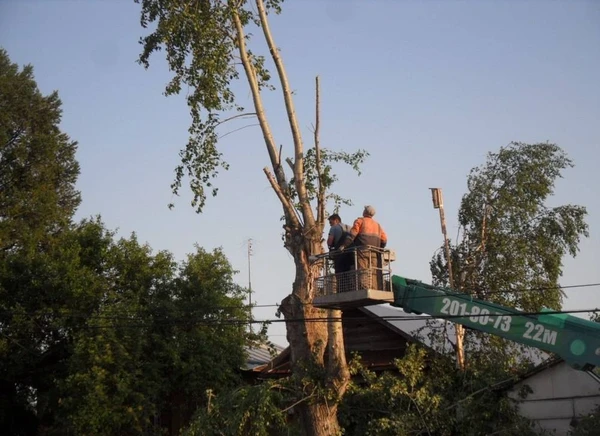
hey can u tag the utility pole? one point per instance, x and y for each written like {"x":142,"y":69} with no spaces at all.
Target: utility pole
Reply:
{"x":250,"y":283}
{"x":438,"y":203}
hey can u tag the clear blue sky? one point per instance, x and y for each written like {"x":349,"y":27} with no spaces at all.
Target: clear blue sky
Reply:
{"x":427,"y":87}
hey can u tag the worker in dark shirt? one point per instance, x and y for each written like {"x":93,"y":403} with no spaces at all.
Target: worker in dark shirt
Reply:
{"x":337,"y":235}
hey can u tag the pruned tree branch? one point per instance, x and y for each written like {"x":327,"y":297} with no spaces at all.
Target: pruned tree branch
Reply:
{"x":259,"y":106}
{"x":321,"y":186}
{"x":303,"y":199}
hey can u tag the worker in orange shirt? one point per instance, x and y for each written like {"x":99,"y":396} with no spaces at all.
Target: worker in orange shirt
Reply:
{"x":366,"y":233}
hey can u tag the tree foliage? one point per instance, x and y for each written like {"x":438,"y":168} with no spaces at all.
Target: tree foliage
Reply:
{"x":423,"y":395}
{"x":207,"y":46}
{"x":38,"y":266}
{"x":131,"y":346}
{"x":165,"y":336}
{"x":427,"y":396}
{"x":513,"y":243}
{"x":37,"y":183}
{"x":510,"y":251}
{"x":97,"y":335}
{"x":259,"y":410}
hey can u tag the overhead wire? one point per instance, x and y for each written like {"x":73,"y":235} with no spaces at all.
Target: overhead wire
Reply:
{"x":144,"y":322}
{"x":418,"y":297}
{"x":148,"y":319}
{"x":497,"y":292}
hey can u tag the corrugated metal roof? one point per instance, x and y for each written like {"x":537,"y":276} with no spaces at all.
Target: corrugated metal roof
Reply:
{"x":260,"y":355}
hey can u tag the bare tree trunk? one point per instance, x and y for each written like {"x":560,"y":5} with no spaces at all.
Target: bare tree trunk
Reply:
{"x":320,"y":419}
{"x":310,"y":335}
{"x":314,"y":341}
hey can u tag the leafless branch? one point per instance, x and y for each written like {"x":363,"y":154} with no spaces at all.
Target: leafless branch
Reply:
{"x":321,"y":187}
{"x":291,"y":113}
{"x":300,"y":401}
{"x":280,"y":151}
{"x":249,"y":114}
{"x":288,"y":207}
{"x":238,"y":129}
{"x":258,"y":103}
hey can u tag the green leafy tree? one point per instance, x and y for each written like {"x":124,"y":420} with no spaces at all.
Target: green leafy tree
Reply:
{"x":259,"y":410}
{"x":38,"y":256}
{"x":47,"y":295}
{"x":109,"y":387}
{"x":209,"y":45}
{"x":510,"y":251}
{"x":97,"y":336}
{"x":162,"y":335}
{"x":512,"y":244}
{"x":39,"y":170}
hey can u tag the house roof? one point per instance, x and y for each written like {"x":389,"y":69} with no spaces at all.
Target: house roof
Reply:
{"x":367,"y":331}
{"x":260,"y":355}
{"x":547,"y":364}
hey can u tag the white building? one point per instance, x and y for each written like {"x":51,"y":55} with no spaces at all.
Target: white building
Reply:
{"x":560,"y":396}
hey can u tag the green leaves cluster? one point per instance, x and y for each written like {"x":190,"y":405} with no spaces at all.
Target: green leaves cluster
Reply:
{"x":202,"y":47}
{"x":391,"y":403}
{"x":510,"y":252}
{"x":587,"y":425}
{"x":423,"y":395}
{"x":427,"y":396}
{"x":512,"y":245}
{"x":163,"y":337}
{"x":199,"y":40}
{"x":258,"y":410}
{"x":106,"y":337}
{"x":327,"y":175}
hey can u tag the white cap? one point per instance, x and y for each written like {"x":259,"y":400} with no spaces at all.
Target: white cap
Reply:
{"x":369,"y":211}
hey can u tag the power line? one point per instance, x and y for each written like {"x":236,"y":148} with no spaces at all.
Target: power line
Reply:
{"x":250,"y":283}
{"x":452,"y":293}
{"x":177,"y":321}
{"x":497,"y":292}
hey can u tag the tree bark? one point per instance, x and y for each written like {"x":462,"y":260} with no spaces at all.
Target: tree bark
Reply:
{"x":310,"y":334}
{"x":320,"y":419}
{"x":314,"y":341}
{"x":307,"y":214}
{"x":274,"y":154}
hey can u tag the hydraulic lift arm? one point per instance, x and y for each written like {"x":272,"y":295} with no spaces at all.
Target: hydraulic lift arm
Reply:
{"x":575,"y":340}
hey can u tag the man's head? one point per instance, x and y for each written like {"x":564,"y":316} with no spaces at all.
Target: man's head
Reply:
{"x":334,"y":219}
{"x":369,"y":211}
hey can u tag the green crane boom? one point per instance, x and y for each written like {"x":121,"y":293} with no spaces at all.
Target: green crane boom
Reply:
{"x":575,"y":340}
